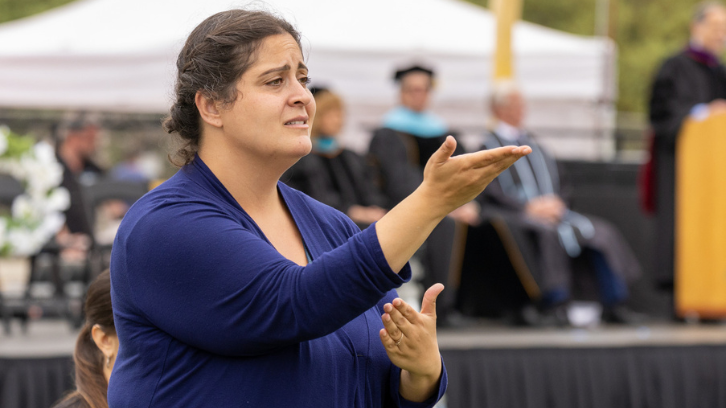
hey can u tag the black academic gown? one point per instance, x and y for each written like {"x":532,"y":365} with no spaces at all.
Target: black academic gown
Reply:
{"x":681,"y":83}
{"x":340,"y":181}
{"x":541,"y":245}
{"x":399,"y":159}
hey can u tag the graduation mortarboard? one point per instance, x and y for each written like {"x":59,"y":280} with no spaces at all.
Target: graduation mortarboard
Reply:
{"x":416,"y":68}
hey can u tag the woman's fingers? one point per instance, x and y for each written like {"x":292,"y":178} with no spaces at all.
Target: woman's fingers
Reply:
{"x":388,"y":342}
{"x":406,"y":311}
{"x":505,"y":156}
{"x":402,"y":314}
{"x":391,"y":327}
{"x":495,"y":168}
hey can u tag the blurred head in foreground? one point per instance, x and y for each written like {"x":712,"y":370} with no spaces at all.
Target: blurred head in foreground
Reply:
{"x":96,"y":348}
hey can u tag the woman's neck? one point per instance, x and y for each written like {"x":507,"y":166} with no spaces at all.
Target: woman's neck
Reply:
{"x":251,"y":182}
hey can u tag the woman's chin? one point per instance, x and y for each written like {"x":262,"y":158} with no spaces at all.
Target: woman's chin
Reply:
{"x":304,"y":147}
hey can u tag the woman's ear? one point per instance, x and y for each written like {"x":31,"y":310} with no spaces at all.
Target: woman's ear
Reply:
{"x":106,"y":342}
{"x":208,"y":109}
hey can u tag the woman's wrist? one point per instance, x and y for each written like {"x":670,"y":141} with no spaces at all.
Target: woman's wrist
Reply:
{"x":418,"y":387}
{"x":435,"y":203}
{"x":422,"y":379}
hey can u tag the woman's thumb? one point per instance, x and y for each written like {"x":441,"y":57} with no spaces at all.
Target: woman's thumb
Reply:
{"x":428,"y":305}
{"x":445,"y":151}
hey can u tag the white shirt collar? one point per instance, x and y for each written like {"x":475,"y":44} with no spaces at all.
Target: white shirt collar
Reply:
{"x":507,"y":131}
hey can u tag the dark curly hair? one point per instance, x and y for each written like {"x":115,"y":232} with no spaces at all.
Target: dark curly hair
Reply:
{"x":214,"y":57}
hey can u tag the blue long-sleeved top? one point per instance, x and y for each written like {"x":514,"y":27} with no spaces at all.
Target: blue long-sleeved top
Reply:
{"x":209,"y":314}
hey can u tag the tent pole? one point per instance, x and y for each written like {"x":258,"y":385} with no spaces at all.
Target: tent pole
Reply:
{"x":507,"y":12}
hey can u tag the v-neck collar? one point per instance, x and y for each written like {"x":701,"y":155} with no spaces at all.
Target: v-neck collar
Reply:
{"x":306,"y":223}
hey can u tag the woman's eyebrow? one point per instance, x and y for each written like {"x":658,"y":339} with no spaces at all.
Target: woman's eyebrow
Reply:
{"x":285,"y":67}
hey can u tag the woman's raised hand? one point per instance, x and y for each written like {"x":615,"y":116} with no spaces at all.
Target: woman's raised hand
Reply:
{"x":453,"y":181}
{"x":410,"y":341}
{"x":449,"y":182}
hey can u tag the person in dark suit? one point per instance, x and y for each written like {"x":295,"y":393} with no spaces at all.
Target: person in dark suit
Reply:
{"x":77,"y":143}
{"x":531,"y":199}
{"x":690,"y":83}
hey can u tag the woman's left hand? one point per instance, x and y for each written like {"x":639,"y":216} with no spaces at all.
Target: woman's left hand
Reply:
{"x":410,"y":340}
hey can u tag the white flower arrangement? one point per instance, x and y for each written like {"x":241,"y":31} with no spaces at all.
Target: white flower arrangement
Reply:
{"x":37,"y":214}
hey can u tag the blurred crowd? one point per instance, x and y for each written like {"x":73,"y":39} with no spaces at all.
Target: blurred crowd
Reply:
{"x":98,"y":198}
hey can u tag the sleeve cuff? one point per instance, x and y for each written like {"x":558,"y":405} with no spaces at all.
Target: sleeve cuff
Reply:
{"x":372,"y":242}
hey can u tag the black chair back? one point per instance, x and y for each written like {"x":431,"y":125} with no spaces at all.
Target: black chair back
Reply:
{"x":9,"y":189}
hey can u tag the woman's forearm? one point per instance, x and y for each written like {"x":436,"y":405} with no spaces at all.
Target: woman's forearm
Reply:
{"x":405,"y":228}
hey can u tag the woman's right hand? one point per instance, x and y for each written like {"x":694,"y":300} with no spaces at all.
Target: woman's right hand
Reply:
{"x":410,"y":341}
{"x":451,"y":182}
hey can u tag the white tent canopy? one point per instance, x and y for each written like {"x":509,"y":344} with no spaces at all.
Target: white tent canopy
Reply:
{"x":118,"y":55}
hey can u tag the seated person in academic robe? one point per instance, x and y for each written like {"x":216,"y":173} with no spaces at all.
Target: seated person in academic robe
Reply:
{"x":399,"y":151}
{"x":690,"y":83}
{"x":552,"y":239}
{"x":332,"y":174}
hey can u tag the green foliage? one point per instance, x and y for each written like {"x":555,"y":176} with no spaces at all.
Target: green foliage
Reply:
{"x":646,"y":32}
{"x":574,"y":16}
{"x":15,"y":9}
{"x":18,"y":145}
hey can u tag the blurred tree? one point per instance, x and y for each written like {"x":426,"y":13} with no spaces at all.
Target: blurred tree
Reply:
{"x":646,"y":32}
{"x":15,"y":9}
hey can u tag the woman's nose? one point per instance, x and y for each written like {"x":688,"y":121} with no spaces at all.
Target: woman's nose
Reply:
{"x":300,"y":94}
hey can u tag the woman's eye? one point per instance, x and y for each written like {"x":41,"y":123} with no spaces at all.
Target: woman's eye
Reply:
{"x":277,"y":81}
{"x":305,"y":81}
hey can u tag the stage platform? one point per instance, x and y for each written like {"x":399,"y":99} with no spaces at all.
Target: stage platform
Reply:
{"x":490,"y":365}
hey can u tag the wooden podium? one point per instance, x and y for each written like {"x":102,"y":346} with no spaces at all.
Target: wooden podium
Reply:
{"x":700,"y":219}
